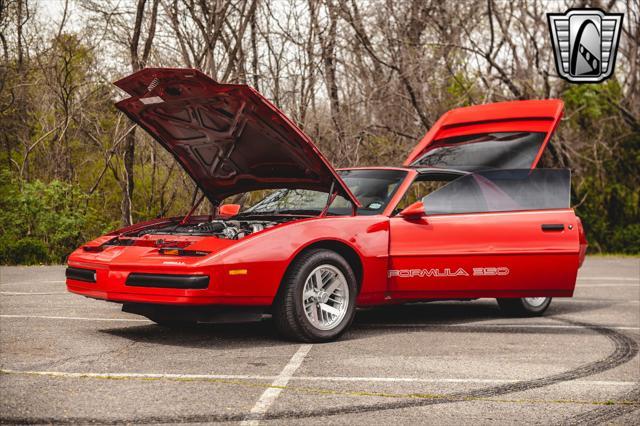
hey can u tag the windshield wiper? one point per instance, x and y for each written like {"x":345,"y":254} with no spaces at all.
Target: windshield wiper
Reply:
{"x":298,"y":211}
{"x":276,"y":213}
{"x":252,"y":213}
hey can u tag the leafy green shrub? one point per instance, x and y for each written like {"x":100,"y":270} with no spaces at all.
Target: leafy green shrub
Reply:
{"x":607,"y":190}
{"x":27,"y":251}
{"x":626,"y":240}
{"x":44,"y":222}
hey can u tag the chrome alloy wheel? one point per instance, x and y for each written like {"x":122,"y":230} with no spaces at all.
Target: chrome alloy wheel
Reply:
{"x":536,"y":302}
{"x":325,"y":297}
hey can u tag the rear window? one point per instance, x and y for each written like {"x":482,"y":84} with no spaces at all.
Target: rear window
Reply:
{"x":504,"y":150}
{"x":502,"y":190}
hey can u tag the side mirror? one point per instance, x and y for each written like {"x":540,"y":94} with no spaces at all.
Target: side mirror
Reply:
{"x":414,"y":211}
{"x":229,"y":210}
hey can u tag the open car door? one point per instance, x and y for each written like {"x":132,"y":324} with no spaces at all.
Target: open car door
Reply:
{"x":503,"y":229}
{"x":499,"y":233}
{"x":506,"y":135}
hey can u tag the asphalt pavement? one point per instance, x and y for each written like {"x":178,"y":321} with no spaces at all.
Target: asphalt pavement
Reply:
{"x":65,"y":358}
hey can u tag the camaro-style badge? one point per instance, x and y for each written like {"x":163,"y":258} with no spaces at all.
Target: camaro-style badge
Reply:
{"x":585,"y":42}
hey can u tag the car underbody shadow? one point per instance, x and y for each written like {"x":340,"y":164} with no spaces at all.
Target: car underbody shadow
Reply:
{"x":382,"y":320}
{"x":205,"y":336}
{"x":460,"y":312}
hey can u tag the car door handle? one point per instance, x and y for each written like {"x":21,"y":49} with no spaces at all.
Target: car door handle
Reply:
{"x":552,"y":227}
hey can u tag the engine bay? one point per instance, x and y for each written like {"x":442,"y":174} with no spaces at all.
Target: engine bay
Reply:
{"x":220,"y":228}
{"x":178,"y":235}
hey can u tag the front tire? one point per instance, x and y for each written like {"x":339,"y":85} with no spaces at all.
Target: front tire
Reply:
{"x":316,"y":302}
{"x":524,"y":306}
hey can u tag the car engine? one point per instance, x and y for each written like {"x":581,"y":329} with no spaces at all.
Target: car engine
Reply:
{"x":228,"y":229}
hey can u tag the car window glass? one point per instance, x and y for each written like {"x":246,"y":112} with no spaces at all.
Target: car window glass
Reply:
{"x":292,"y":199}
{"x":502,"y":190}
{"x":372,"y":187}
{"x":506,"y":150}
{"x":418,"y":190}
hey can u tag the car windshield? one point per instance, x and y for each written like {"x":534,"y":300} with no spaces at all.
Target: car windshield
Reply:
{"x":373,"y":188}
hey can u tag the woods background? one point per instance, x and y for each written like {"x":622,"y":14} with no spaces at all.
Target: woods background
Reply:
{"x":365,"y":79}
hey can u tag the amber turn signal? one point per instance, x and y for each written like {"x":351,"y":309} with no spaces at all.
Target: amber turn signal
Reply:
{"x":181,"y":252}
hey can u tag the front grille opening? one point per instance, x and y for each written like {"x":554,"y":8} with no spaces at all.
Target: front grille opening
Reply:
{"x":80,"y":274}
{"x":168,"y":281}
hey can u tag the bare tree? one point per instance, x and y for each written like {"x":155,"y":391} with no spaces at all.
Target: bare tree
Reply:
{"x":136,"y":30}
{"x":365,"y":79}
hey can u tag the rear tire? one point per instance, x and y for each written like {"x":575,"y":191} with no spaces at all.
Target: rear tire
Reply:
{"x":524,"y":306}
{"x":316,"y":301}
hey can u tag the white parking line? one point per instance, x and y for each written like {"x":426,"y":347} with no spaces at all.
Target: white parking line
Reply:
{"x":269,"y":396}
{"x":608,"y":279}
{"x":170,"y":376}
{"x":591,"y":300}
{"x":76,"y":318}
{"x":34,"y":282}
{"x":138,"y":375}
{"x":480,"y":325}
{"x":25,"y":293}
{"x":443,"y":380}
{"x":578,"y":285}
{"x":590,"y":278}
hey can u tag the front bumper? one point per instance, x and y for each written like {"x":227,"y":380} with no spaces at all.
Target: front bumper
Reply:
{"x":183,"y":286}
{"x":168,"y":281}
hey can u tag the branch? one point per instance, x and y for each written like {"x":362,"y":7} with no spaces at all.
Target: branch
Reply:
{"x":135,"y":38}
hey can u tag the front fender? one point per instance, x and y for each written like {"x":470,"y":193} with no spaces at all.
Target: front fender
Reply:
{"x":255,"y":266}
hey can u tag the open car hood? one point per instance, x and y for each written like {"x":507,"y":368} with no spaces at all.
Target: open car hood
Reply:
{"x":228,"y":137}
{"x":505,"y":135}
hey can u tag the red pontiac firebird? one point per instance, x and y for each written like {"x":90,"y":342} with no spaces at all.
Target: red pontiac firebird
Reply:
{"x":467,"y":216}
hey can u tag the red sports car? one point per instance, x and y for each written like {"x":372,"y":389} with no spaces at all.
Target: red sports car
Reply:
{"x":467,"y":216}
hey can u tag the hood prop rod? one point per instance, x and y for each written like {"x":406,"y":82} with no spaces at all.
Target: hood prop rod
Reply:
{"x":193,"y":209}
{"x":332,"y":196}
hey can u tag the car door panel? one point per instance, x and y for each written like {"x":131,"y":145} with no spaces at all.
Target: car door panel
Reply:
{"x":506,"y":254}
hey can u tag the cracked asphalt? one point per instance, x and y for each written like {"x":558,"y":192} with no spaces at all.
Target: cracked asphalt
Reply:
{"x":67,"y":359}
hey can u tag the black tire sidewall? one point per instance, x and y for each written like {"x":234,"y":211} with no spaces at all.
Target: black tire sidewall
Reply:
{"x":297,"y":280}
{"x":535,"y":309}
{"x":518,"y":307}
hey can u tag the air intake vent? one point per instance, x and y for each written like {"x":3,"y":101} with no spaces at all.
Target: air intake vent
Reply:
{"x":168,"y":281}
{"x":79,"y":274}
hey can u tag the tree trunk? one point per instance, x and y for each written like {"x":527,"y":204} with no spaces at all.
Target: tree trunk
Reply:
{"x":128,"y":182}
{"x":137,"y":63}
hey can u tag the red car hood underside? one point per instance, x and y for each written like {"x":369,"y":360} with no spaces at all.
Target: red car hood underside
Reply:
{"x":228,"y":137}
